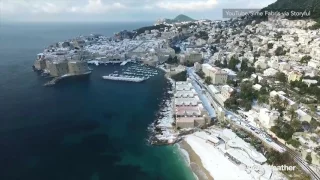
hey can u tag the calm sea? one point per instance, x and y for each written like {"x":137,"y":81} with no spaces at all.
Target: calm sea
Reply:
{"x":88,"y":129}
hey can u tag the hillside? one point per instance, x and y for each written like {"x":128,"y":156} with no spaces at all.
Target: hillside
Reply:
{"x":179,"y":18}
{"x":296,"y":5}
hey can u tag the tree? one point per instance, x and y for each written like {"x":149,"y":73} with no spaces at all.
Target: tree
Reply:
{"x":305,"y":59}
{"x":294,"y":143}
{"x":314,"y":123}
{"x":182,"y":76}
{"x":217,"y":63}
{"x":263,"y":99}
{"x":280,"y":76}
{"x":270,"y":45}
{"x":309,"y":158}
{"x":256,"y":80}
{"x":259,"y":68}
{"x":276,"y":99}
{"x":201,"y":74}
{"x":280,"y":52}
{"x":296,"y":124}
{"x":285,"y":103}
{"x":244,"y":65}
{"x":233,"y":63}
{"x":225,"y":63}
{"x":208,"y":80}
{"x":292,"y":113}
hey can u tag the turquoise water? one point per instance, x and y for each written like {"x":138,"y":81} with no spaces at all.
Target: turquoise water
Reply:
{"x":80,"y":129}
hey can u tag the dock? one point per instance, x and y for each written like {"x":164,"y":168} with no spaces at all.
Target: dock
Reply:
{"x":124,"y":78}
{"x":123,"y":63}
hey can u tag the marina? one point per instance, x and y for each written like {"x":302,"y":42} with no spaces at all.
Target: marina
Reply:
{"x":123,"y":78}
{"x":132,"y":72}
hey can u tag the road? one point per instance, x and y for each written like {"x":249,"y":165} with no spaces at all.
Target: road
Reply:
{"x":259,"y":133}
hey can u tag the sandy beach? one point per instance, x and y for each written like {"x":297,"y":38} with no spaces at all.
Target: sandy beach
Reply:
{"x":214,"y":163}
{"x":195,"y":163}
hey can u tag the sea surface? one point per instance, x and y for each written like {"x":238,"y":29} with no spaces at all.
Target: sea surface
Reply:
{"x":80,"y":129}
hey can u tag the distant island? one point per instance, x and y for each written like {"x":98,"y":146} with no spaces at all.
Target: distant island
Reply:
{"x":179,"y":18}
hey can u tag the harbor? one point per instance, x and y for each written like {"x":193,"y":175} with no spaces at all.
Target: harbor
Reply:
{"x":132,"y":72}
{"x":123,"y":78}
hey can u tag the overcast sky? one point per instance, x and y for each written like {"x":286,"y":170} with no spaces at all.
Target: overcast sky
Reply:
{"x":121,"y":10}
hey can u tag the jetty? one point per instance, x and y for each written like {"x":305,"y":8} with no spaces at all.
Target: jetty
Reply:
{"x":52,"y":81}
{"x":124,"y":78}
{"x":123,"y":63}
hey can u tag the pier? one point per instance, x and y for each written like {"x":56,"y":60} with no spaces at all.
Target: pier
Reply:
{"x":124,"y":78}
{"x":52,"y":81}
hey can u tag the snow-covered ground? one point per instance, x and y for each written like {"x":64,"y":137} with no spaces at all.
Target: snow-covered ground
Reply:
{"x":165,"y":119}
{"x":219,"y":166}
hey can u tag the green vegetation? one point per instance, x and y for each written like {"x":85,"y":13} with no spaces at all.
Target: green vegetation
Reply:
{"x":273,"y":157}
{"x":176,"y":49}
{"x":277,"y":159}
{"x":173,"y":60}
{"x":314,"y":124}
{"x":280,"y":52}
{"x":263,"y":99}
{"x":188,"y":63}
{"x":233,"y":63}
{"x":246,"y":71}
{"x":249,"y":138}
{"x":315,"y":26}
{"x":287,"y":5}
{"x":283,"y":130}
{"x":309,"y":158}
{"x":202,"y":34}
{"x":179,"y":18}
{"x":305,"y":59}
{"x":201,"y":74}
{"x":243,"y":99}
{"x":294,"y":143}
{"x":280,"y":76}
{"x":182,"y":76}
{"x":244,"y":65}
{"x":208,"y":80}
{"x":304,"y":89}
{"x":157,"y":27}
{"x":270,"y":45}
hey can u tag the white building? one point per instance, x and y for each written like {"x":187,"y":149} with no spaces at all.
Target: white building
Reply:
{"x":270,"y":72}
{"x":314,"y":63}
{"x":218,"y":75}
{"x":303,"y":116}
{"x":284,"y":66}
{"x":267,"y":118}
{"x":197,"y":66}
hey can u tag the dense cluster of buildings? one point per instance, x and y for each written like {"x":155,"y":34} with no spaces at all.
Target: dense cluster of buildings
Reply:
{"x":189,"y":111}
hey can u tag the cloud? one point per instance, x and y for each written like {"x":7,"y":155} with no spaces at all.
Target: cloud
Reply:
{"x":187,"y":5}
{"x":46,"y":10}
{"x":97,"y":6}
{"x":46,"y":7}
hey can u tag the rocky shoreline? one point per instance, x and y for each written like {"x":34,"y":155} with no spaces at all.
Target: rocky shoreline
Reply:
{"x":162,"y":130}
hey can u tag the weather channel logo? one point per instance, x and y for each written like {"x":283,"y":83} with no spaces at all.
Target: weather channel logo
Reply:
{"x":258,"y":168}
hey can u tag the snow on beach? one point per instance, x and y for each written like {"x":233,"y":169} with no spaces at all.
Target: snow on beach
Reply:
{"x":215,"y":162}
{"x":219,"y":166}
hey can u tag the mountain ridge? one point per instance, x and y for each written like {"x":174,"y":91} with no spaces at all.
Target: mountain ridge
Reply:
{"x":296,"y":5}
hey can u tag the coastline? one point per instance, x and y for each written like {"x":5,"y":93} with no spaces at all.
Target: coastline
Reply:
{"x":162,"y":130}
{"x":196,"y":164}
